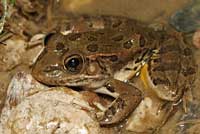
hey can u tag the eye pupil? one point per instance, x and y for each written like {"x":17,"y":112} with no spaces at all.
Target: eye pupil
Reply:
{"x":74,"y":62}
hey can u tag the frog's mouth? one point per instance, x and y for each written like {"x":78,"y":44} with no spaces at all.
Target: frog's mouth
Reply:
{"x":80,"y":80}
{"x":93,"y":81}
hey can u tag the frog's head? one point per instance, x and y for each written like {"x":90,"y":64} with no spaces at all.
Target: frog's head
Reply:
{"x":64,"y":63}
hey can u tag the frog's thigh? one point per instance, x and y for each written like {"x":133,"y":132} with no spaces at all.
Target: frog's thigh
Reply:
{"x":160,"y":83}
{"x":128,"y":99}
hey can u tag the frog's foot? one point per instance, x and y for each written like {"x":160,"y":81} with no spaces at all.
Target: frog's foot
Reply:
{"x":187,"y":99}
{"x":170,"y":108}
{"x":127,"y":100}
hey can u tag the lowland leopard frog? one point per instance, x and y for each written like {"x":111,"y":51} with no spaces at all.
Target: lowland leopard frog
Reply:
{"x":91,"y":58}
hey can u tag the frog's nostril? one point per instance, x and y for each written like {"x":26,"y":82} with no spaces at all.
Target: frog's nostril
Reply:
{"x":60,"y":46}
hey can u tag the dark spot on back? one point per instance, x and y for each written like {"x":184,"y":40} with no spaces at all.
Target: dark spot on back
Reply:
{"x":113,"y":58}
{"x":167,"y":67}
{"x":118,"y":38}
{"x":161,"y":81}
{"x":142,"y":41}
{"x":92,"y":38}
{"x":156,"y":60}
{"x":127,"y":44}
{"x":74,"y":37}
{"x":168,"y":48}
{"x":187,"y":51}
{"x":116,"y":24}
{"x":92,"y":47}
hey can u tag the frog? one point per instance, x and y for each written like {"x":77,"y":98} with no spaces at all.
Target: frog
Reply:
{"x":91,"y":59}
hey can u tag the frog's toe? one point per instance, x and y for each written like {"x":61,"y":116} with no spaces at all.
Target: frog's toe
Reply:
{"x":115,"y":113}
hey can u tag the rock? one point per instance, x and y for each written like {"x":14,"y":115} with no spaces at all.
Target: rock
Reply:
{"x":187,"y":19}
{"x":31,"y":107}
{"x":147,"y":116}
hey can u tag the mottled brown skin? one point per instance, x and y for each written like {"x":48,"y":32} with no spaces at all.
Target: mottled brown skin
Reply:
{"x":173,"y":72}
{"x":102,"y":52}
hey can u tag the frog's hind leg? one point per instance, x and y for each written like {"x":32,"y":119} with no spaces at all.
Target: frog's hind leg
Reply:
{"x":125,"y":102}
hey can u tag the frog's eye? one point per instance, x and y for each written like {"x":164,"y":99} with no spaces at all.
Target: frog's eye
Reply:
{"x":73,"y":63}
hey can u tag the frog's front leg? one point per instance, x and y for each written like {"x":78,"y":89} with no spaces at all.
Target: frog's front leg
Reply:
{"x":127,"y":97}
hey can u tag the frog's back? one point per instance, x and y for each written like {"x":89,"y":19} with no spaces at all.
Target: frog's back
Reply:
{"x":172,"y":68}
